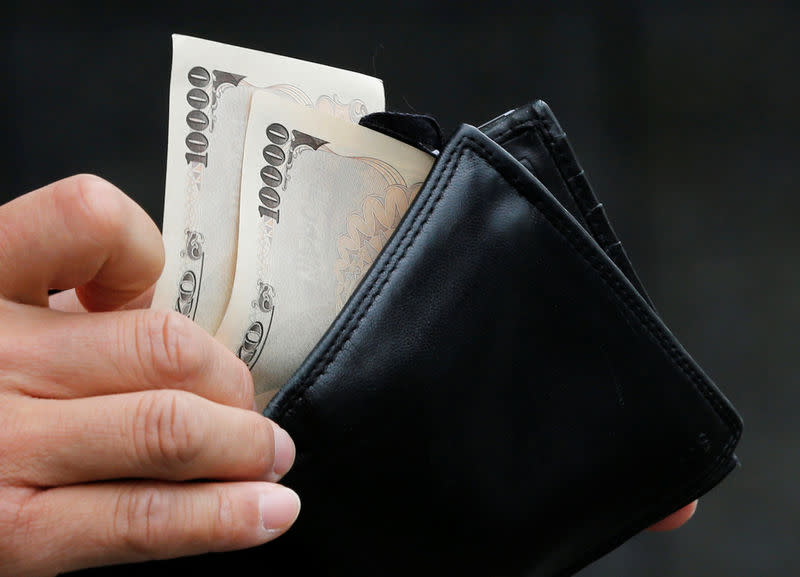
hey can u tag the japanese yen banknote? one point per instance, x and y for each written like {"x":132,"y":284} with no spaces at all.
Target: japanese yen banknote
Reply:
{"x":277,"y":200}
{"x":210,"y":93}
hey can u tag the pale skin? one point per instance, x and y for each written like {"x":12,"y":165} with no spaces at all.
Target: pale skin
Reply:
{"x":108,"y":408}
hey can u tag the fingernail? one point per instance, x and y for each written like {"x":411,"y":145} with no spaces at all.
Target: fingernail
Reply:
{"x":284,"y":454}
{"x":279,"y":507}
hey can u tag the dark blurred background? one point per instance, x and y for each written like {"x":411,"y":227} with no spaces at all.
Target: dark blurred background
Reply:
{"x":685,"y":116}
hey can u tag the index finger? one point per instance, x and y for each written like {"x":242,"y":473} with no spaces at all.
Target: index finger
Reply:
{"x":68,"y":301}
{"x":78,"y":232}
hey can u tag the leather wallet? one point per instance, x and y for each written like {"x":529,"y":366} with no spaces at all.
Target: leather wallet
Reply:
{"x":498,"y":396}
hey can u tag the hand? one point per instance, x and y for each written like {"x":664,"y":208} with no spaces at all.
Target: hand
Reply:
{"x":104,"y":415}
{"x":677,"y":519}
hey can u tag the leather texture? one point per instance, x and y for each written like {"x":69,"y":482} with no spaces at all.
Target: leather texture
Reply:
{"x":534,"y":137}
{"x":498,"y":397}
{"x":417,"y":130}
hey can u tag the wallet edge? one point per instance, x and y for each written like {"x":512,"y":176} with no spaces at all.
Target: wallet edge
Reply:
{"x":290,"y":396}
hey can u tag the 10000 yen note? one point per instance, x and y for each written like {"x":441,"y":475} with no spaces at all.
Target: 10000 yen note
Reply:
{"x":319,"y":199}
{"x":210,"y":93}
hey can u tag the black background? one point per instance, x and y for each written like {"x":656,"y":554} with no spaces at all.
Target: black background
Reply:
{"x":685,"y":117}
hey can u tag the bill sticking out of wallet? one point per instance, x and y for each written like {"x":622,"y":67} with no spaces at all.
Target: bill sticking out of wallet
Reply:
{"x":277,"y":201}
{"x":319,"y":198}
{"x":406,"y":304}
{"x":210,"y":93}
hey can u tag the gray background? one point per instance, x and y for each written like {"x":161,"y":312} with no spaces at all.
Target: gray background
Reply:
{"x":685,"y":118}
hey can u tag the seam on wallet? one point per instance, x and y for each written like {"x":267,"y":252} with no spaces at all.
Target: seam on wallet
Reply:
{"x":579,"y":188}
{"x":577,"y":192}
{"x":355,"y":317}
{"x":619,"y":290}
{"x":577,"y":195}
{"x":622,"y":293}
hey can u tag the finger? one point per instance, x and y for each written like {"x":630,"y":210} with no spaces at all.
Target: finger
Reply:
{"x":677,"y":519}
{"x":89,"y":525}
{"x":63,"y":355}
{"x":67,"y":301}
{"x":165,"y":435}
{"x":78,"y":232}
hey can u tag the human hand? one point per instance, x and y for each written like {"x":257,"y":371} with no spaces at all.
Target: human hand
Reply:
{"x":103,"y":415}
{"x":677,"y":519}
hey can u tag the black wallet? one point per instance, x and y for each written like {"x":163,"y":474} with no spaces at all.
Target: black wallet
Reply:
{"x":498,"y":396}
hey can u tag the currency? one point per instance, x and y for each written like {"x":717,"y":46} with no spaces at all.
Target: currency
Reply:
{"x":319,"y":199}
{"x":210,"y":93}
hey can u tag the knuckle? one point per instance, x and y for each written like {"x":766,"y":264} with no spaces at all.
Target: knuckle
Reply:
{"x":21,"y":436}
{"x":244,"y":391}
{"x":263,"y":446}
{"x":91,"y":205}
{"x":11,"y":348}
{"x":142,"y":519}
{"x":169,"y":347}
{"x":165,"y":430}
{"x":226,"y":525}
{"x":20,"y":517}
{"x":230,"y":523}
{"x":12,"y":429}
{"x":215,"y":520}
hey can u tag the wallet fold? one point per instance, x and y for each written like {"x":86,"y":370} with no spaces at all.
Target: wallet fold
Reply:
{"x":533,"y":136}
{"x":498,"y":396}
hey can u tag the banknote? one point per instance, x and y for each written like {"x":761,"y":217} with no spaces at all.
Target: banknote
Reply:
{"x":210,"y":93}
{"x":319,"y":198}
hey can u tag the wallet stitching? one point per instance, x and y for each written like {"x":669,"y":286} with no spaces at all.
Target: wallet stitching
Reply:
{"x":620,"y":291}
{"x":622,"y":294}
{"x":576,"y":184}
{"x":653,"y":513}
{"x":351,"y":324}
{"x":577,"y":195}
{"x":580,"y":189}
{"x":356,"y":316}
